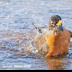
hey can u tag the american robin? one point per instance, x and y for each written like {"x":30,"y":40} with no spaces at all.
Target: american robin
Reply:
{"x":55,"y":40}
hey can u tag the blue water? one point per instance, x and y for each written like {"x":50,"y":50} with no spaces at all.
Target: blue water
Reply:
{"x":17,"y":31}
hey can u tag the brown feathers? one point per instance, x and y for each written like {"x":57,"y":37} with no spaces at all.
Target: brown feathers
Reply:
{"x":58,"y":43}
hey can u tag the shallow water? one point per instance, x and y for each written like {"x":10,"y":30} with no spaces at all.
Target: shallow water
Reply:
{"x":17,"y":31}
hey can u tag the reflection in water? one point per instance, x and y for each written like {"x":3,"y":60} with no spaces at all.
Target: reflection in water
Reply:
{"x":57,"y":63}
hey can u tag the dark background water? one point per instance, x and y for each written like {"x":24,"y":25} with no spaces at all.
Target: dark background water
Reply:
{"x":17,"y":31}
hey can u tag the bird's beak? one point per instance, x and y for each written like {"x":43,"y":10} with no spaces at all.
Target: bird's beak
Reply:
{"x":59,"y":22}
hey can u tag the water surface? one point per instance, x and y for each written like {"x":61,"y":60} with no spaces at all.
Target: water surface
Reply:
{"x":17,"y":31}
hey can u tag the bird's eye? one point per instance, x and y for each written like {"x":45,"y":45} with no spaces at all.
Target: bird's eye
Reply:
{"x":55,"y":19}
{"x":52,"y":23}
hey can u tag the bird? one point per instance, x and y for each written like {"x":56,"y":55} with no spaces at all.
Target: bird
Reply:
{"x":54,"y":40}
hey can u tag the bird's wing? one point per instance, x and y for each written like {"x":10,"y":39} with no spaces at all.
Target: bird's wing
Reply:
{"x":39,"y":30}
{"x":70,"y":32}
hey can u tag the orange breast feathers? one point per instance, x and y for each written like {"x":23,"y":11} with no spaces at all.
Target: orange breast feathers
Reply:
{"x":58,"y":43}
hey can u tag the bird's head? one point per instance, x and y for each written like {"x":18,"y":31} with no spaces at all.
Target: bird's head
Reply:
{"x":55,"y":21}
